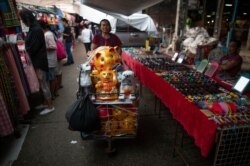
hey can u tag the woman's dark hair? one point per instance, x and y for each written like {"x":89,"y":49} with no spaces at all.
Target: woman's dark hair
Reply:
{"x":27,"y":17}
{"x":65,"y":20}
{"x":238,"y":43}
{"x":85,"y":26}
{"x":107,"y":21}
{"x":44,"y":25}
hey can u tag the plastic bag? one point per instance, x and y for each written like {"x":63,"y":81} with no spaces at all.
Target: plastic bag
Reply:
{"x":60,"y":51}
{"x":83,"y":116}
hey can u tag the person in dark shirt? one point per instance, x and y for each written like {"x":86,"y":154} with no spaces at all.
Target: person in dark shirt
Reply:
{"x":36,"y":47}
{"x":68,"y":38}
{"x":105,"y":38}
{"x":230,"y":65}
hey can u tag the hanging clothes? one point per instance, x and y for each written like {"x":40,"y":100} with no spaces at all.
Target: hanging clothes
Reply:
{"x":7,"y":85}
{"x":9,"y":16}
{"x":6,"y":127}
{"x":23,"y":102}
{"x":19,"y":65}
{"x":29,"y":71}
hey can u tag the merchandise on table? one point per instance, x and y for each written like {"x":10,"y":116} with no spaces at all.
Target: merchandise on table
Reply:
{"x":224,"y":107}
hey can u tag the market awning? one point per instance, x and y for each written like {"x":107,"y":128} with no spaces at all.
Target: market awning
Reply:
{"x":69,"y":6}
{"x":126,"y":7}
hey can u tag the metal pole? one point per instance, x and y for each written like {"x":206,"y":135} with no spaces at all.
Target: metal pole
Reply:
{"x":204,"y":12}
{"x":176,"y":33}
{"x":232,"y":22}
{"x":218,"y":18}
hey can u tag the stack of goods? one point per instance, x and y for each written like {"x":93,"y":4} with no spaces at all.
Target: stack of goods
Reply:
{"x":118,"y":121}
{"x":226,"y":108}
{"x":104,"y":78}
{"x":114,"y":92}
{"x":195,"y":37}
{"x":220,"y":105}
{"x":51,"y":19}
{"x":191,"y":82}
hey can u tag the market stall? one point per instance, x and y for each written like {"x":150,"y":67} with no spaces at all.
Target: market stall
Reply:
{"x":185,"y":103}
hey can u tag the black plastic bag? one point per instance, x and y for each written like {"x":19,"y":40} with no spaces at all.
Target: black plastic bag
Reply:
{"x":83,"y":116}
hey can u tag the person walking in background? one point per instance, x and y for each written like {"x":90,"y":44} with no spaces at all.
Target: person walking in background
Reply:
{"x":68,"y":39}
{"x":105,"y":38}
{"x":36,"y":47}
{"x":51,"y":56}
{"x":86,"y":37}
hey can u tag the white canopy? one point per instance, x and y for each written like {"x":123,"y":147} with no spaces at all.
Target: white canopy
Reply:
{"x":125,"y":7}
{"x":142,"y":22}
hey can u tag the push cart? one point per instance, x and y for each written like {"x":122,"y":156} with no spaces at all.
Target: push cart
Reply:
{"x":119,"y":118}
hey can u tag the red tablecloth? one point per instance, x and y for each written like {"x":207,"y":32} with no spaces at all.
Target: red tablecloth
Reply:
{"x":194,"y":122}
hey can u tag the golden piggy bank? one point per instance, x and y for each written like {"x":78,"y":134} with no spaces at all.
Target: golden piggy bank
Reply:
{"x":106,"y":87}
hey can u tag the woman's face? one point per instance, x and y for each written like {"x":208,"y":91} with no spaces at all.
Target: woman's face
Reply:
{"x":105,"y":28}
{"x":233,"y":49}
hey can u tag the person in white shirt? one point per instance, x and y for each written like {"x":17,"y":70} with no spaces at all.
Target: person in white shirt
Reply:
{"x":51,"y":56}
{"x":86,"y":37}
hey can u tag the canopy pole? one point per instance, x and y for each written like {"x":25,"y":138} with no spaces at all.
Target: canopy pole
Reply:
{"x":176,"y":25}
{"x":230,"y":33}
{"x":218,"y":18}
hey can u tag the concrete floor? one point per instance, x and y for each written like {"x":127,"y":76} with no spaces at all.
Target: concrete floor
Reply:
{"x":49,"y":142}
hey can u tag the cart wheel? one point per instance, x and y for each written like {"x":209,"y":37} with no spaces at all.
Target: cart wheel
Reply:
{"x":110,"y":150}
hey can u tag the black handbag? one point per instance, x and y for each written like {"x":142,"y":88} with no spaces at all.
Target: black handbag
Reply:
{"x":83,"y":116}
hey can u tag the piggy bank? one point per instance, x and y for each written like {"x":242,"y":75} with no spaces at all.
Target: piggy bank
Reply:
{"x":119,"y":114}
{"x":105,"y":58}
{"x":128,"y":125}
{"x":106,"y":87}
{"x":111,"y":127}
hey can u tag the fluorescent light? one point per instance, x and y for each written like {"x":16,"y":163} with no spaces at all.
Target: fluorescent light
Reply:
{"x":208,"y":15}
{"x":244,"y":13}
{"x":212,"y":21}
{"x":228,"y":4}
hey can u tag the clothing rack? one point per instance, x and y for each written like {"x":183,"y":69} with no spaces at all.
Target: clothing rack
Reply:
{"x":13,"y":89}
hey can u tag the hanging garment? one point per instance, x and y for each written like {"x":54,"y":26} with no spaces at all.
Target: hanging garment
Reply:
{"x":6,"y":127}
{"x":10,"y":17}
{"x":30,"y":73}
{"x":23,"y":102}
{"x":7,"y":85}
{"x":20,"y":68}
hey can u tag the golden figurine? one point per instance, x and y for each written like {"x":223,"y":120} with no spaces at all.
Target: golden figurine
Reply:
{"x":106,"y":87}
